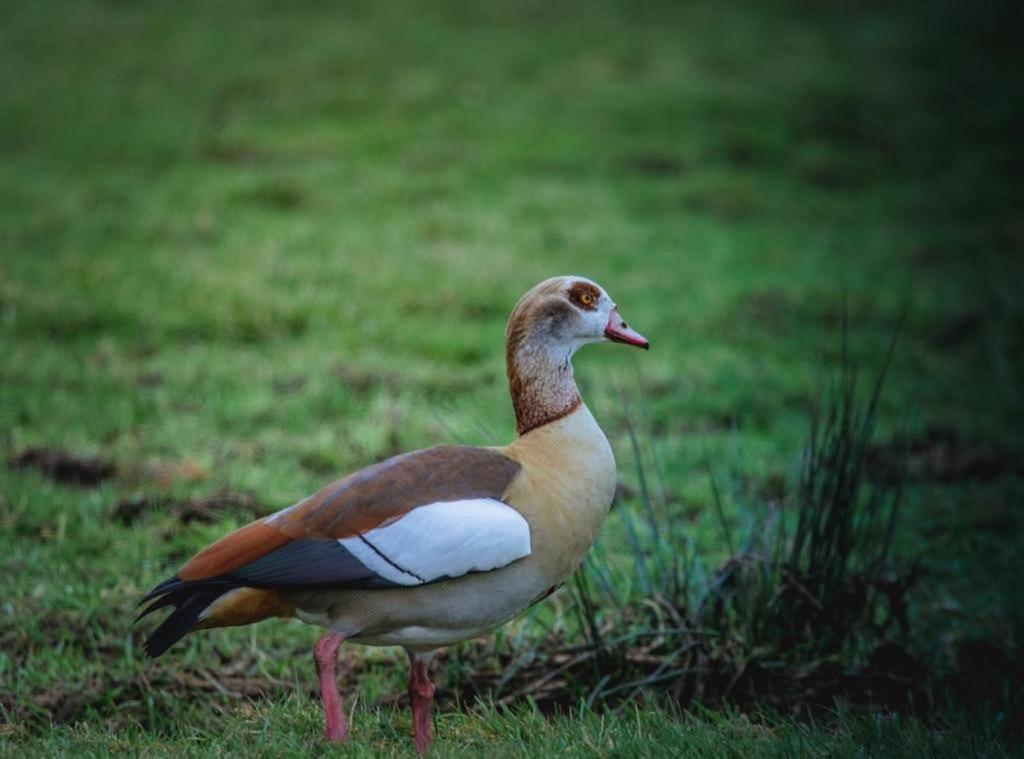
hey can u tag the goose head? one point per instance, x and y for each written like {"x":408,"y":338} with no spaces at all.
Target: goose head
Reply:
{"x":548,"y":325}
{"x":562,"y":314}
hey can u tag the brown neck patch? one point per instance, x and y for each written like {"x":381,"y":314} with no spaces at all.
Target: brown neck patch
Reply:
{"x":540,"y":381}
{"x":530,"y":416}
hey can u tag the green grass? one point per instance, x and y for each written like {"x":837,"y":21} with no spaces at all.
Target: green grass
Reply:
{"x":290,"y":728}
{"x":250,"y":247}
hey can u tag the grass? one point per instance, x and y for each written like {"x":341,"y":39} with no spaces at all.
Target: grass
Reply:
{"x":246,"y":248}
{"x":289,"y":729}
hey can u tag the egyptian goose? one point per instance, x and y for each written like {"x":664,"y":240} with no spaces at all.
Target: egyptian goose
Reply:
{"x":436,"y":546}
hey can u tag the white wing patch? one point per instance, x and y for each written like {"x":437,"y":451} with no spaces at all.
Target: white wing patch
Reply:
{"x":443,"y":539}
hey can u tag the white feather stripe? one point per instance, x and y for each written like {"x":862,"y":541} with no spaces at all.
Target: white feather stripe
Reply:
{"x":444,"y":539}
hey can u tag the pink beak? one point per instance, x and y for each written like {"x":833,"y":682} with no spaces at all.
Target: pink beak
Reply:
{"x":619,"y":332}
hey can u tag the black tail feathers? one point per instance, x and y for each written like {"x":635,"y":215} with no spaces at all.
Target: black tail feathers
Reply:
{"x":188,"y":598}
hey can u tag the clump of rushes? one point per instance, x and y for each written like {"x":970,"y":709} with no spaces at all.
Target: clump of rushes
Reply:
{"x":809,"y":610}
{"x":816,"y":611}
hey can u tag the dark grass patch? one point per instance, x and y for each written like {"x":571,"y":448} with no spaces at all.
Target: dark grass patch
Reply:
{"x":205,"y":510}
{"x":232,"y":154}
{"x":654,"y":165}
{"x":274,"y":197}
{"x":835,"y":175}
{"x":956,"y":330}
{"x":743,"y":154}
{"x":778,"y":312}
{"x":473,"y":306}
{"x":361,"y":381}
{"x":65,"y":467}
{"x":290,"y":385}
{"x":984,"y":669}
{"x":770,"y":310}
{"x":944,"y":455}
{"x":72,"y":320}
{"x":325,"y":462}
{"x":846,"y":121}
{"x":735,"y":203}
{"x":149,"y":380}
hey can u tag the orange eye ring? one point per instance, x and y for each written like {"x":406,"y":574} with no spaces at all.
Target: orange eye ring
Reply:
{"x":586,"y":299}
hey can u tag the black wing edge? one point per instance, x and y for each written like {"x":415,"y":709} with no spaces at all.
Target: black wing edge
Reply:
{"x":189,"y":599}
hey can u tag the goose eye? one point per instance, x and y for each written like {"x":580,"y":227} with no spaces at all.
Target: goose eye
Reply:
{"x":586,"y":299}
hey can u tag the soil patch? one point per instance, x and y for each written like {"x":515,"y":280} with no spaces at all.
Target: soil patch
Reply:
{"x":942,"y":454}
{"x":65,"y":467}
{"x":657,"y":165}
{"x":206,"y":510}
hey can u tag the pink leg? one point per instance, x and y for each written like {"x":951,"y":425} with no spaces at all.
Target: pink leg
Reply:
{"x":325,"y":653}
{"x":421,"y":697}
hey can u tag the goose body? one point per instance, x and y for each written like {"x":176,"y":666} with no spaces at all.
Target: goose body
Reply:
{"x":435,"y":546}
{"x":563,"y":497}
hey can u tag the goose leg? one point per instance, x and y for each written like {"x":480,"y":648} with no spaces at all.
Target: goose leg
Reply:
{"x":421,"y":698}
{"x":325,"y":653}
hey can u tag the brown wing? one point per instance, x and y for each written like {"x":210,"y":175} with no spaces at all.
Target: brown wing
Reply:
{"x":367,"y":499}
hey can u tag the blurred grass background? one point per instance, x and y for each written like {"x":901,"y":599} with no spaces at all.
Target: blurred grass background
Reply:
{"x":248,"y":247}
